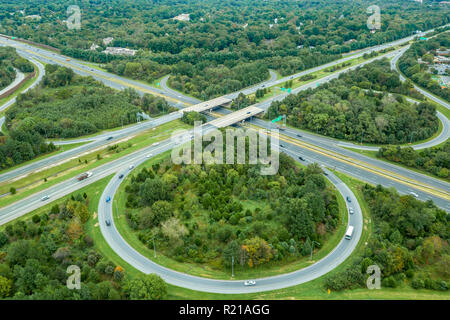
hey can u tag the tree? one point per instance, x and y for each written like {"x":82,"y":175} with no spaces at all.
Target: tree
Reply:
{"x":5,"y":287}
{"x":148,"y":287}
{"x":82,"y":212}
{"x":230,"y":251}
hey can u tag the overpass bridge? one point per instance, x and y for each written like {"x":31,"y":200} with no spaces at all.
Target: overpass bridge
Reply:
{"x":208,"y":105}
{"x":235,"y":117}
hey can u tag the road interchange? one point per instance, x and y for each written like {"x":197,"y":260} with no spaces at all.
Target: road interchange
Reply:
{"x":292,"y":148}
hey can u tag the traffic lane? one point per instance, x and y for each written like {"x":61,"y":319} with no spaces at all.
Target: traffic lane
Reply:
{"x":323,"y":266}
{"x":78,"y":151}
{"x":108,"y":79}
{"x":131,"y":129}
{"x":333,"y":147}
{"x":57,"y":191}
{"x":361,"y":174}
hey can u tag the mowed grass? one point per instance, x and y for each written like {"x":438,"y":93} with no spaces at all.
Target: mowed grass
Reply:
{"x":35,"y":182}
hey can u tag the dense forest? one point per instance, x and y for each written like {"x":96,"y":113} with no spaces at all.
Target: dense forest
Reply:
{"x":9,"y":59}
{"x":209,"y":214}
{"x":234,"y":42}
{"x":409,"y":244}
{"x":35,"y":254}
{"x":349,"y":108}
{"x":66,"y":105}
{"x":434,"y":160}
{"x":418,"y":71}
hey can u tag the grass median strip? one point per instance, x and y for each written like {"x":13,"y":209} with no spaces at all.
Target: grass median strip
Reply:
{"x":41,"y":180}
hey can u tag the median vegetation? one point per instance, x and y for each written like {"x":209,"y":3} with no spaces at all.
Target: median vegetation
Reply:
{"x":349,"y":108}
{"x":66,"y":105}
{"x":434,"y":160}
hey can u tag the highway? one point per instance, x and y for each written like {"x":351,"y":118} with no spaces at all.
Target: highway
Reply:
{"x":101,"y":139}
{"x":19,"y":77}
{"x":317,"y":150}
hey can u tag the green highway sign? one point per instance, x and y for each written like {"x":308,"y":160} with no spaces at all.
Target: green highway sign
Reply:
{"x":277,"y":119}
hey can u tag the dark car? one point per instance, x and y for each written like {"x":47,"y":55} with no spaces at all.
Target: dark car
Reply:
{"x":109,"y":138}
{"x":301,"y":158}
{"x":282,"y":146}
{"x":121,"y":176}
{"x":348,"y":199}
{"x":108,"y":223}
{"x":299,"y":135}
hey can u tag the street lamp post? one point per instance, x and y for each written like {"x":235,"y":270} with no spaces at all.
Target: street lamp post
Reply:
{"x":232,"y":266}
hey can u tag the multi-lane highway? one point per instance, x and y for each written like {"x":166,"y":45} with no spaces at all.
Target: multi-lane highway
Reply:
{"x":294,"y":143}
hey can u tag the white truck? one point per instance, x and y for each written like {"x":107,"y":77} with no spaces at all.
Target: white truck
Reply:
{"x":349,"y":233}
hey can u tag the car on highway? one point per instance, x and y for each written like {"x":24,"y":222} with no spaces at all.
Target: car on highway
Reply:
{"x":131,"y":166}
{"x":45,"y":198}
{"x":249,"y":112}
{"x":348,"y":199}
{"x":249,"y":283}
{"x":415,"y":195}
{"x":149,"y":156}
{"x":351,"y":211}
{"x":155,"y":144}
{"x":299,"y":135}
{"x":301,"y":158}
{"x":108,"y":223}
{"x":108,"y":199}
{"x":121,"y":176}
{"x":282,"y":146}
{"x":109,"y":138}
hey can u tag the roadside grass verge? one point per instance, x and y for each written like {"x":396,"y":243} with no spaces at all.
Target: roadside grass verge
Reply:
{"x":373,"y":154}
{"x":69,"y":169}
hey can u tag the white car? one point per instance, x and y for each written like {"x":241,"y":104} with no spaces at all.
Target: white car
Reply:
{"x":149,"y":156}
{"x":45,"y":198}
{"x":415,"y":195}
{"x":351,"y":211}
{"x":131,"y":166}
{"x":249,"y":283}
{"x":155,"y":144}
